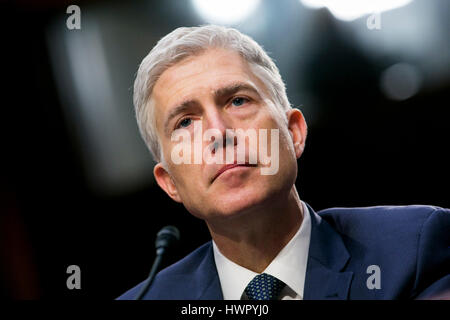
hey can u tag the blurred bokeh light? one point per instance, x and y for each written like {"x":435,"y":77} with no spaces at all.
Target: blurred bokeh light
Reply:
{"x":225,"y":12}
{"x":400,"y":81}
{"x":353,"y":9}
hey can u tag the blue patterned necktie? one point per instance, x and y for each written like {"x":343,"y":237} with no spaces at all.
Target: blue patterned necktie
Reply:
{"x":264,"y":287}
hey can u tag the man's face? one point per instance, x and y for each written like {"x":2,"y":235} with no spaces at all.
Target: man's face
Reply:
{"x":217,"y":89}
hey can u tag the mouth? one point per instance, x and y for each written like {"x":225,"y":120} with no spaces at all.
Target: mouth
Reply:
{"x":231,"y":166}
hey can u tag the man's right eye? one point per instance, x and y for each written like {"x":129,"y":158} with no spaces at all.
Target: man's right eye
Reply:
{"x":184,"y":123}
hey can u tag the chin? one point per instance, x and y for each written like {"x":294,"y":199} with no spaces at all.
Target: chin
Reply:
{"x":240,"y":203}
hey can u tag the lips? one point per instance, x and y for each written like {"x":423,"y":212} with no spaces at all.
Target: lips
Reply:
{"x":231,"y":166}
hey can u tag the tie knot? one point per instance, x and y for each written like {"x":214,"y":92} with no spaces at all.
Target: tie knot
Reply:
{"x":264,"y":287}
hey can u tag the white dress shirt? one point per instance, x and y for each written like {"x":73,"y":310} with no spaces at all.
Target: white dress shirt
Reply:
{"x":289,"y":266}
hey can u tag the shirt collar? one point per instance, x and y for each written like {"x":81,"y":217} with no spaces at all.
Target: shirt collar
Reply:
{"x":289,"y":265}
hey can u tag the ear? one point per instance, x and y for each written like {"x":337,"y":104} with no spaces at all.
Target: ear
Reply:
{"x":165,"y":181}
{"x":298,"y":130}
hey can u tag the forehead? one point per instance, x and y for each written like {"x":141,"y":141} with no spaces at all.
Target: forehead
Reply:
{"x":200,"y":75}
{"x":207,"y":65}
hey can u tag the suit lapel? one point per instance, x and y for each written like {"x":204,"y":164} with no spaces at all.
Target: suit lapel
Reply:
{"x":207,"y":278}
{"x":327,"y":258}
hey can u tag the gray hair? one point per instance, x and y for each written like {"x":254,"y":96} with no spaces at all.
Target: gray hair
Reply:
{"x":184,"y":42}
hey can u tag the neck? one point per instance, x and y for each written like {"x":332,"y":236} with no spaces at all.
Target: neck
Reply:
{"x":253,"y":240}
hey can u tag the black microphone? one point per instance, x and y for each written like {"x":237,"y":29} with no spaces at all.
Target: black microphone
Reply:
{"x":166,"y":237}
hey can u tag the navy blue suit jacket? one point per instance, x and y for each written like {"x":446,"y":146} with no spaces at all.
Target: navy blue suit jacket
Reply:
{"x":409,"y":244}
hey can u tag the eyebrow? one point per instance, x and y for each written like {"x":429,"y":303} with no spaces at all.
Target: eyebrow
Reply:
{"x":218,"y":94}
{"x":233,"y":88}
{"x":184,"y":106}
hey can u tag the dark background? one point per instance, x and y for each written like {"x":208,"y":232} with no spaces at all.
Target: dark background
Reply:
{"x":60,"y":206}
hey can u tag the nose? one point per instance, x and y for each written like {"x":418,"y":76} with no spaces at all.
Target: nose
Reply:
{"x":216,"y":120}
{"x":219,"y":122}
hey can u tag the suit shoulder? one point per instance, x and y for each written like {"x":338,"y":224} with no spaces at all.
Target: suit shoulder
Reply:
{"x":408,"y":243}
{"x":189,"y":263}
{"x":389,"y":213}
{"x":380,"y":220}
{"x":168,"y":276}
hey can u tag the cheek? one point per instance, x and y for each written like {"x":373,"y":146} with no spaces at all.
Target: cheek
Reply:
{"x":187,"y":180}
{"x":287,"y":159}
{"x":287,"y":145}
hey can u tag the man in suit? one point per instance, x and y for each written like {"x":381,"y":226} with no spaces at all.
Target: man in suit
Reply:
{"x":266,"y":242}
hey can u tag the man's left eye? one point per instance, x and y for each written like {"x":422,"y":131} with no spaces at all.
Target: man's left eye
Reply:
{"x":237,"y":102}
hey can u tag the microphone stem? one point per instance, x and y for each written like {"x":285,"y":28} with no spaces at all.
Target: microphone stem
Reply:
{"x":151,"y":275}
